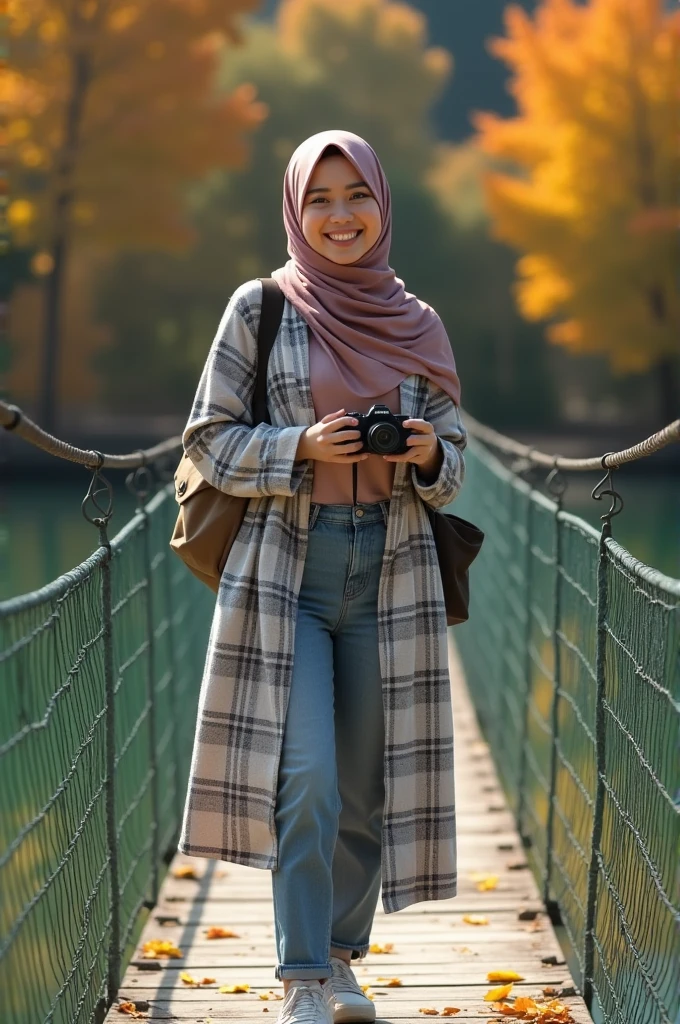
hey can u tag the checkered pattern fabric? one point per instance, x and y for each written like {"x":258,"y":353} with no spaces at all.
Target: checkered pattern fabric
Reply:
{"x":230,"y":802}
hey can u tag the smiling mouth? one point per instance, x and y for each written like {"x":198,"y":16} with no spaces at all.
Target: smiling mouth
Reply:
{"x":344,"y":238}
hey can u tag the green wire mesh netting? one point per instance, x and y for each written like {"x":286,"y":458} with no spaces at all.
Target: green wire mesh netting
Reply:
{"x":67,"y":890}
{"x":586,"y":747}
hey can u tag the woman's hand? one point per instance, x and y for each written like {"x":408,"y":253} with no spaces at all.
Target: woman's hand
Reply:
{"x":423,"y":445}
{"x":324,"y":441}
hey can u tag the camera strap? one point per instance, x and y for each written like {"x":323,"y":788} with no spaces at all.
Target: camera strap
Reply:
{"x":354,"y":482}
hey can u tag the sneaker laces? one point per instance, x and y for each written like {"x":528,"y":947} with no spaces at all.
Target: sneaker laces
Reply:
{"x":307,"y":1004}
{"x":343,"y":977}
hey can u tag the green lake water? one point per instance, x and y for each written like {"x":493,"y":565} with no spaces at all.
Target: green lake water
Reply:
{"x":43,"y":532}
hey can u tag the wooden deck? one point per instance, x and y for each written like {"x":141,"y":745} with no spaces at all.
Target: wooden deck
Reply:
{"x":441,"y":960}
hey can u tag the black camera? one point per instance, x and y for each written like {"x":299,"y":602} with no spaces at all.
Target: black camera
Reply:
{"x":382,"y":431}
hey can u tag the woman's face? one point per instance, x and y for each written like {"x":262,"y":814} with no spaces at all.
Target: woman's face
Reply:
{"x":340,"y":216}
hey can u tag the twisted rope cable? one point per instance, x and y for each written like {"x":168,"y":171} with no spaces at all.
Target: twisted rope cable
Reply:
{"x":667,"y":435}
{"x":12,"y":418}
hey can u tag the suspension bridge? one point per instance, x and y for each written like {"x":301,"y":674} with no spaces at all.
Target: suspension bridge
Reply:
{"x":566,"y":690}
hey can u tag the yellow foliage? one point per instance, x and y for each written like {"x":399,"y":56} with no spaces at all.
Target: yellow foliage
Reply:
{"x":593,"y":204}
{"x":151,"y":120}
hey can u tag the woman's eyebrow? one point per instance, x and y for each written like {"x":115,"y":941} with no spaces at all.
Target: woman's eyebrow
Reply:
{"x":355,"y":184}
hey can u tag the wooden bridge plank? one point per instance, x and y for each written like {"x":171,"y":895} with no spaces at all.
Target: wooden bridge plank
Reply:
{"x":441,"y":960}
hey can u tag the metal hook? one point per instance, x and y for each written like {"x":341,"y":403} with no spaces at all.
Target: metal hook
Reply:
{"x":139,"y":481}
{"x":599,"y":491}
{"x":98,"y":485}
{"x":556,"y":482}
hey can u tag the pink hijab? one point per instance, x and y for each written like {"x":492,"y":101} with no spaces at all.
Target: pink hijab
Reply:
{"x":374,"y":331}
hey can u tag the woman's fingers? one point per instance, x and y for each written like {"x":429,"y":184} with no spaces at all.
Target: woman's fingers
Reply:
{"x":332,"y":416}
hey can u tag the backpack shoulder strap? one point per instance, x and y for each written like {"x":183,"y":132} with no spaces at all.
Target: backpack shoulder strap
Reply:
{"x":270,"y":321}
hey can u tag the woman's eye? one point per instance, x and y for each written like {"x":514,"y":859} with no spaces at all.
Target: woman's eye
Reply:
{"x":318,"y":199}
{"x":360,"y":195}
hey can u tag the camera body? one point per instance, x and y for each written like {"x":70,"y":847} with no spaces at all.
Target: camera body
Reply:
{"x":382,"y":432}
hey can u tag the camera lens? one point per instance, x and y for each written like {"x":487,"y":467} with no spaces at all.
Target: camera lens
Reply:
{"x":383,"y":438}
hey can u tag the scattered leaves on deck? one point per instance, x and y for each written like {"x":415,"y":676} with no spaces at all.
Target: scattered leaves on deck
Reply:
{"x":155,"y":949}
{"x":234,"y":988}
{"x":216,"y":931}
{"x":389,"y":982}
{"x":526,"y":1008}
{"x":501,"y":992}
{"x":484,"y":882}
{"x":504,"y":976}
{"x":189,"y":979}
{"x":475,"y":919}
{"x":185,"y":871}
{"x":131,"y":1010}
{"x":384,"y":947}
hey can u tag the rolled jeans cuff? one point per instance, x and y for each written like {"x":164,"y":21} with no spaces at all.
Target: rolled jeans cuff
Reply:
{"x":318,"y":971}
{"x":359,"y":950}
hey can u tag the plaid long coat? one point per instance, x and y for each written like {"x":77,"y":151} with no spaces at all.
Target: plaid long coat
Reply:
{"x":231,"y":797}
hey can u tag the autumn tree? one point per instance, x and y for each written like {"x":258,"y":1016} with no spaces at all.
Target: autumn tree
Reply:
{"x":111,"y":111}
{"x":592,"y":204}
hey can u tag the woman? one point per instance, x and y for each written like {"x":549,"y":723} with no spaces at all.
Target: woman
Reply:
{"x":324,"y":742}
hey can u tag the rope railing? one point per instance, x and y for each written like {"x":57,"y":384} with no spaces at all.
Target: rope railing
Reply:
{"x":14,"y":419}
{"x":506,"y":445}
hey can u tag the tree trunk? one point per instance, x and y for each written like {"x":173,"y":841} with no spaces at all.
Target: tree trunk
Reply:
{"x":63,"y":201}
{"x":668,"y":389}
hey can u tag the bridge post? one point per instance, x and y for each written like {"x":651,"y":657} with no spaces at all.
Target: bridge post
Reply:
{"x":101,"y":522}
{"x":557,"y":486}
{"x":521,"y":773}
{"x":139,"y":484}
{"x":598,"y":493}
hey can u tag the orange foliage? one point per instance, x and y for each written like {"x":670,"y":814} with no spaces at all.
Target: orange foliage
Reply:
{"x":593,"y":204}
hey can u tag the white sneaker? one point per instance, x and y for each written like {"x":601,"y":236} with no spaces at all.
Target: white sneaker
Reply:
{"x":307,"y":1001}
{"x":350,"y":1002}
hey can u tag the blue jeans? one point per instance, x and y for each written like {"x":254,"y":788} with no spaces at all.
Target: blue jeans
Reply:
{"x":331,"y":794}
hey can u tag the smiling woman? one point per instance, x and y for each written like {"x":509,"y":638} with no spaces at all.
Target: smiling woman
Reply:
{"x":340,"y":217}
{"x":324,"y":741}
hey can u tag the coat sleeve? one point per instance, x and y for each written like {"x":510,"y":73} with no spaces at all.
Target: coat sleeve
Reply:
{"x":235,"y":456}
{"x":444,"y":415}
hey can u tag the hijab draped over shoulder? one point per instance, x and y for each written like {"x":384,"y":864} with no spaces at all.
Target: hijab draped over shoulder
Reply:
{"x":374,"y":331}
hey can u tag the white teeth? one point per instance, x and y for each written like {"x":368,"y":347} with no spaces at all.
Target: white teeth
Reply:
{"x":344,"y":237}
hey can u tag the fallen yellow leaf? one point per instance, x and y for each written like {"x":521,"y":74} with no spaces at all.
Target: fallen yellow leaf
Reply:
{"x":187,"y":978}
{"x":494,"y":994}
{"x":484,"y":881}
{"x":185,"y":871}
{"x":377,"y":947}
{"x":217,"y":932}
{"x":389,"y":982}
{"x":208,"y":981}
{"x":234,"y":988}
{"x":129,"y":1008}
{"x":156,"y":948}
{"x":504,"y":976}
{"x":429,"y":1010}
{"x":450,"y":1011}
{"x":475,"y":919}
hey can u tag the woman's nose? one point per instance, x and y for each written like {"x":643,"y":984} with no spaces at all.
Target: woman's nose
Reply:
{"x":341,"y":215}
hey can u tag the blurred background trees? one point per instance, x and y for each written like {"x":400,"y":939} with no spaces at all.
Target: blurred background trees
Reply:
{"x":112,"y":109}
{"x":150,"y":141}
{"x":595,"y":210}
